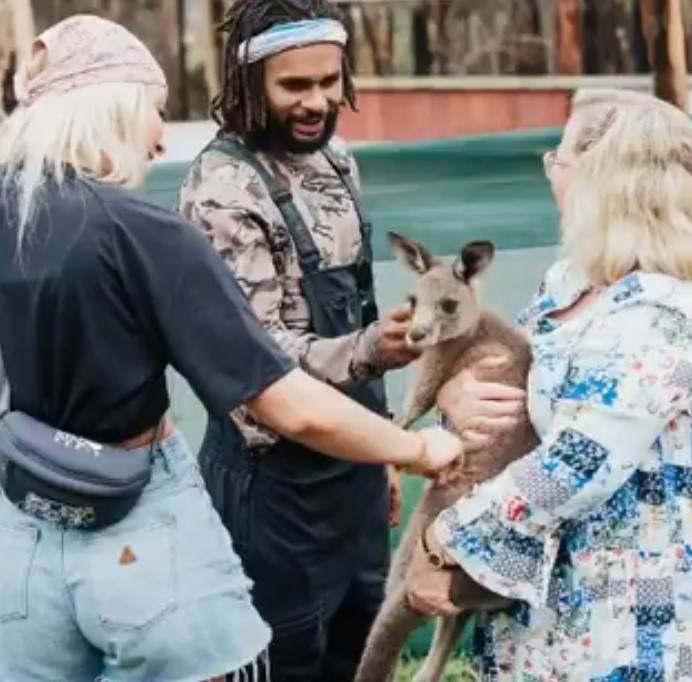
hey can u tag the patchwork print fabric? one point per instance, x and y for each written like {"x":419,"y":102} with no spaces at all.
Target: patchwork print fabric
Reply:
{"x":591,"y":533}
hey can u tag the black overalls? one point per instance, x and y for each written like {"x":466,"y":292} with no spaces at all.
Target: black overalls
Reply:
{"x":312,"y":531}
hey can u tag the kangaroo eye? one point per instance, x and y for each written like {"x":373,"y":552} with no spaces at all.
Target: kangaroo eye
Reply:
{"x":412,"y":300}
{"x":449,"y":306}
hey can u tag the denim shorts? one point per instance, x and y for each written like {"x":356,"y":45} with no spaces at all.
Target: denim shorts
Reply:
{"x":159,"y":597}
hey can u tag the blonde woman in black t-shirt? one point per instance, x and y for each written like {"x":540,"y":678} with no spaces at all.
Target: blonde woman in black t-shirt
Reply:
{"x":100,"y":291}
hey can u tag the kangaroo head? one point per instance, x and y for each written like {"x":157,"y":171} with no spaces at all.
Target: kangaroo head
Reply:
{"x":445,"y":304}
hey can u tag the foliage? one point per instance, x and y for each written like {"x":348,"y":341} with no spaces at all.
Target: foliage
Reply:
{"x":458,"y":670}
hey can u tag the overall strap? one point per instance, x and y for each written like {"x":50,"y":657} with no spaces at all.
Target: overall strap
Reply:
{"x":308,"y":254}
{"x":343,"y":170}
{"x":364,"y":272}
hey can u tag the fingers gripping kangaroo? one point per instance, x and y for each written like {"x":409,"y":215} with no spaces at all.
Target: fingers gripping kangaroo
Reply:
{"x":454,"y":332}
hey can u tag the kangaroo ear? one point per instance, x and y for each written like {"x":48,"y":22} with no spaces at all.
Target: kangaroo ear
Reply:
{"x":410,"y":253}
{"x":474,"y":258}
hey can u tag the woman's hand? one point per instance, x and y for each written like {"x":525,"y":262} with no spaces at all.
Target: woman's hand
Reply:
{"x":427,"y":587}
{"x":441,"y":448}
{"x":477,"y":408}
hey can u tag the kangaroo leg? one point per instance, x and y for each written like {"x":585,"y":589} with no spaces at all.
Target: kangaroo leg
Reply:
{"x":407,"y":545}
{"x":447,"y":631}
{"x":388,"y":636}
{"x":420,"y":396}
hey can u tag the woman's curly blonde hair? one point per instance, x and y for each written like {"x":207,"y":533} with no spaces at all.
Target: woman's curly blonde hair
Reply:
{"x":629,"y":202}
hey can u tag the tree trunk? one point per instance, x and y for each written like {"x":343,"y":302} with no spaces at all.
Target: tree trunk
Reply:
{"x":23,"y":28}
{"x":640,"y":55}
{"x":375,"y":37}
{"x":211,"y":61}
{"x":349,"y":24}
{"x":663,"y":28}
{"x":402,"y":19}
{"x":529,"y":53}
{"x":422,"y":54}
{"x":548,"y":32}
{"x":6,"y":34}
{"x":7,"y":60}
{"x":443,"y":43}
{"x":569,"y":57}
{"x":591,"y":53}
{"x":124,"y":12}
{"x":172,"y":56}
{"x":17,"y":33}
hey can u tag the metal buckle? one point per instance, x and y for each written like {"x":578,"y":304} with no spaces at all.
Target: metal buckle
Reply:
{"x":282,"y":195}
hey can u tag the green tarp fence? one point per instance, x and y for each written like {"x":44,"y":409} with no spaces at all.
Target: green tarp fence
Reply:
{"x":443,"y":193}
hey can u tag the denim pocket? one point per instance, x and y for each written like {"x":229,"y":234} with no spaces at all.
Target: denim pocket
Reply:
{"x":17,"y":549}
{"x":133,"y":576}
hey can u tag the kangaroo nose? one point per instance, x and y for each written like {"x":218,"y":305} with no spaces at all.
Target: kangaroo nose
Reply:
{"x":417,"y":334}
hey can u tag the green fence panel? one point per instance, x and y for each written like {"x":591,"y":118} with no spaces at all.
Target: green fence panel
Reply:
{"x":443,"y":193}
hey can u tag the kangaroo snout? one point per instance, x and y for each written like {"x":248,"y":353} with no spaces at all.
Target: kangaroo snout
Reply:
{"x":419,"y":336}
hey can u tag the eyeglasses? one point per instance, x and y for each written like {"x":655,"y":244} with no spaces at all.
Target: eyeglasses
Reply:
{"x":551,"y":160}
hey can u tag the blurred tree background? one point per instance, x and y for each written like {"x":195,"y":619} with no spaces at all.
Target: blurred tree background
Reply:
{"x":391,"y":38}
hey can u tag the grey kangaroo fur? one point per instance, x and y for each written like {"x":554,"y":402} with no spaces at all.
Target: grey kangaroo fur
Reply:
{"x":454,"y":332}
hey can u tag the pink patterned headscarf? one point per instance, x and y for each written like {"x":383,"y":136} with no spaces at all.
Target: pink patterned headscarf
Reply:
{"x":87,"y":50}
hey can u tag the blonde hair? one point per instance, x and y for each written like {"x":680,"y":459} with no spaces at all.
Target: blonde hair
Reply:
{"x":99,"y":130}
{"x":629,"y":202}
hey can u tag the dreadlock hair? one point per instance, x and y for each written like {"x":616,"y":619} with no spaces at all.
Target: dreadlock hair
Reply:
{"x":241,"y":106}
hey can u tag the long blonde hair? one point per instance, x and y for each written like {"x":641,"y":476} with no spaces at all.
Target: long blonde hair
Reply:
{"x":99,"y":130}
{"x":629,"y":202}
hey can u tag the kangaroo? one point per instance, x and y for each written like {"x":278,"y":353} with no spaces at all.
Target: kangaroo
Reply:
{"x":454,"y":333}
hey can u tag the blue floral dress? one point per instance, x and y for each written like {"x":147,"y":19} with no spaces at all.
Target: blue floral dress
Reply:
{"x":591,"y":532}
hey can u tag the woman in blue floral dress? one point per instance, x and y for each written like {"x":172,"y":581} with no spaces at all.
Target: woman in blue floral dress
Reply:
{"x":591,"y":533}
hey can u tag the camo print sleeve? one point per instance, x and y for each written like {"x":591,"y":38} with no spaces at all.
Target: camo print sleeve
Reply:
{"x":228,"y":200}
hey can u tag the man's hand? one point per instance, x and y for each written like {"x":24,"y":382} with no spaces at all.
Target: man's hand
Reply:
{"x":391,"y":341}
{"x":394,"y":496}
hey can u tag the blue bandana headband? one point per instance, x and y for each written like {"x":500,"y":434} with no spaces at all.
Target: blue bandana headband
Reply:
{"x":288,"y":36}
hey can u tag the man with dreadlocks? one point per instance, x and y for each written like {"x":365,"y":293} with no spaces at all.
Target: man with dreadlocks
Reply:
{"x":277,"y":193}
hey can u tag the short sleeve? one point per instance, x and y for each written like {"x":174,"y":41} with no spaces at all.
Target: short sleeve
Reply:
{"x":206,"y":325}
{"x":627,"y":381}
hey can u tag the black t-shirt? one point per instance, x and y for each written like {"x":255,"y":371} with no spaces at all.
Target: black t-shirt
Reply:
{"x":106,"y":292}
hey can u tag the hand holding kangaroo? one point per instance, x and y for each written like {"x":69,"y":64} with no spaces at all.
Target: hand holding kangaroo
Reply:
{"x":458,"y":340}
{"x":476,"y":406}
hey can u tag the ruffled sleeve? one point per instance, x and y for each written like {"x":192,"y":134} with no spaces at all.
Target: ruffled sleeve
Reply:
{"x":628,"y":378}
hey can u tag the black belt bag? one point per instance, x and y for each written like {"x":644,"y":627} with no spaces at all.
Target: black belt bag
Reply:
{"x":67,"y":480}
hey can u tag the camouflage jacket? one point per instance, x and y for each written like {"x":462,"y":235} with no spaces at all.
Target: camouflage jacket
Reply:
{"x":228,"y":200}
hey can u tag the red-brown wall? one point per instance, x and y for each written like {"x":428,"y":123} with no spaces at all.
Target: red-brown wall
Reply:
{"x":433,"y":107}
{"x":415,"y":114}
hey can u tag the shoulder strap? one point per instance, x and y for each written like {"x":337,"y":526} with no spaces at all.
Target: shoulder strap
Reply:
{"x":308,"y":254}
{"x":343,"y":170}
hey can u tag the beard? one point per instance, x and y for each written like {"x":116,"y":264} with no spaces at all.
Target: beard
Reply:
{"x":278,"y":136}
